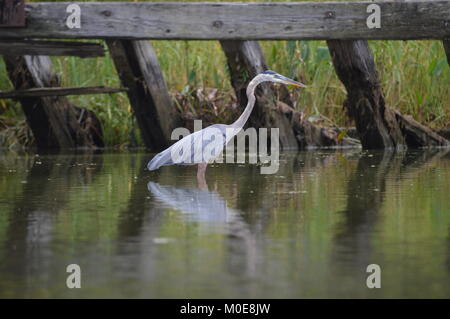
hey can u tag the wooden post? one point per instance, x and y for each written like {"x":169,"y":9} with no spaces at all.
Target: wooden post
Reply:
{"x":55,"y":122}
{"x":377,"y":125}
{"x":12,"y":13}
{"x":446,"y":44}
{"x":245,"y":61}
{"x":139,"y":71}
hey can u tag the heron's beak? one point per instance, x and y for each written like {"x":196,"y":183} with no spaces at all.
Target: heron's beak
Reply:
{"x":292,"y":82}
{"x":289,"y":81}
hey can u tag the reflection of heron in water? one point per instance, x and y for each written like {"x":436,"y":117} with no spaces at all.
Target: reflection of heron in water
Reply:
{"x":209,"y":208}
{"x":199,"y":141}
{"x":199,"y":205}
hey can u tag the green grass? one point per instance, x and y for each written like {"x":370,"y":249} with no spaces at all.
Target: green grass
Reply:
{"x":415,"y":78}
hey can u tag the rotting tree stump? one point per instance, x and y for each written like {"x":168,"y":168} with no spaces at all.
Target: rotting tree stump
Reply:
{"x":55,"y":122}
{"x":139,"y":71}
{"x":377,"y":125}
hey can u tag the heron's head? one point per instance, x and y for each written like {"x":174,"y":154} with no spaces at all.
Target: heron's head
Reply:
{"x":278,"y":78}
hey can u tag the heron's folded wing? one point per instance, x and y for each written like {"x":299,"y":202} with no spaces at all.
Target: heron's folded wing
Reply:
{"x":160,"y":159}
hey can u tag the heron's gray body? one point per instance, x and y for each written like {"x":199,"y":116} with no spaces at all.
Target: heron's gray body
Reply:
{"x":197,"y":142}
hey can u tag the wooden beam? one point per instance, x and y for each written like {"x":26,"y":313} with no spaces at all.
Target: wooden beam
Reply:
{"x":12,"y":13}
{"x":400,"y":20}
{"x":139,"y":71}
{"x":59,"y":91}
{"x":51,"y":48}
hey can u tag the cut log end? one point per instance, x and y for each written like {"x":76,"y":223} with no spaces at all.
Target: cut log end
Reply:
{"x":417,"y":135}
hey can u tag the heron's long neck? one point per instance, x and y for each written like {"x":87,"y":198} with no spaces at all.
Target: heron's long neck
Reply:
{"x":240,"y":122}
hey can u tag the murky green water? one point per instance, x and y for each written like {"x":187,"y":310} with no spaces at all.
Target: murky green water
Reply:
{"x":308,"y":231}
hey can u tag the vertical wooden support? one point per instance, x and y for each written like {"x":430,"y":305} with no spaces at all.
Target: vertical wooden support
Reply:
{"x":355,"y":67}
{"x":378,"y":126}
{"x":55,"y":122}
{"x":245,"y":61}
{"x":12,"y":13}
{"x":139,"y":71}
{"x":446,"y":44}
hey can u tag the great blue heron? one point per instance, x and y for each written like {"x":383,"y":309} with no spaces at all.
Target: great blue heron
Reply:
{"x":196,"y":142}
{"x":210,"y":211}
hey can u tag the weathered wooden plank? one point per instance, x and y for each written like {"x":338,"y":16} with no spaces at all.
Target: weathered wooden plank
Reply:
{"x":12,"y":13}
{"x":56,"y":123}
{"x":415,"y":19}
{"x":59,"y":91}
{"x":139,"y":71}
{"x":51,"y":48}
{"x":378,"y":126}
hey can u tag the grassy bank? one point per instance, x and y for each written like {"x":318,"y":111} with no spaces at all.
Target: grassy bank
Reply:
{"x":415,"y":78}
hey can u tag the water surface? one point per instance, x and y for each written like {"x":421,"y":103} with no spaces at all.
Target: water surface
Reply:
{"x":308,"y":231}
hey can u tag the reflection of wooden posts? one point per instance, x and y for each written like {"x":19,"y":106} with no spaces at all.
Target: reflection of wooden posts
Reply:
{"x":55,"y":122}
{"x":138,"y":210}
{"x":365,"y":197}
{"x":139,"y":71}
{"x":245,"y":61}
{"x":377,"y":125}
{"x":366,"y":190}
{"x":49,"y":179}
